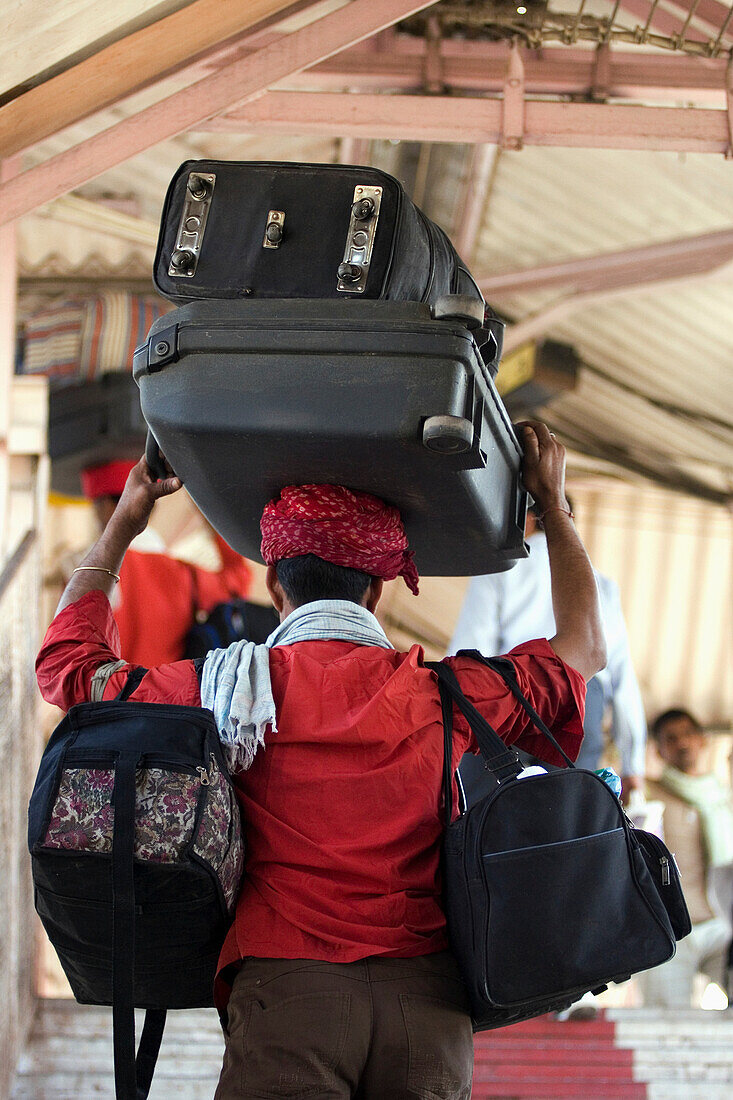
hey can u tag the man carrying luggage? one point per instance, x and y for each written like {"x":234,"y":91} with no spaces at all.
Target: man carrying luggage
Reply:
{"x":335,"y":979}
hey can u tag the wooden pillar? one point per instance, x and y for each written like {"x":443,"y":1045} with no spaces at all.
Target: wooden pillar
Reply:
{"x":8,"y":293}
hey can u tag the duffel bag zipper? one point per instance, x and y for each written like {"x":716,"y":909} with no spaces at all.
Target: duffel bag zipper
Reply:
{"x":152,"y":761}
{"x":149,"y":760}
{"x":665,"y":869}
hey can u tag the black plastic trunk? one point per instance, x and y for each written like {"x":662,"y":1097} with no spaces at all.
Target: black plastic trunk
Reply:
{"x":247,"y":397}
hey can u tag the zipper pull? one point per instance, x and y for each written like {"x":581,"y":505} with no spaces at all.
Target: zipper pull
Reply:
{"x":203,"y":776}
{"x":666,"y":876}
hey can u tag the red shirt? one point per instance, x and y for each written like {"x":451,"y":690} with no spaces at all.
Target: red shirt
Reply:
{"x":159,"y":595}
{"x":342,"y":811}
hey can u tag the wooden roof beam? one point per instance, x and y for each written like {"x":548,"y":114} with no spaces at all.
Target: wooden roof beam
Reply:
{"x":711,"y":13}
{"x":652,"y":17}
{"x":605,"y":277}
{"x":470,"y":120}
{"x":472,"y":203}
{"x":631,"y":266}
{"x":240,"y":81}
{"x":125,"y":67}
{"x":481,"y":67}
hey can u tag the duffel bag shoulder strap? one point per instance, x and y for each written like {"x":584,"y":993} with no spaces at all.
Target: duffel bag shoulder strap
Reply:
{"x":502,"y":761}
{"x":131,"y":684}
{"x":504,"y":668}
{"x":133,"y":1077}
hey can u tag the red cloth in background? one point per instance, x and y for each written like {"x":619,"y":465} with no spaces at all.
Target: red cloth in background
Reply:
{"x":342,"y":810}
{"x":158,"y":596}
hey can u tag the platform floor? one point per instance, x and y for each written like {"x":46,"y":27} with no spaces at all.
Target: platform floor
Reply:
{"x":625,"y":1054}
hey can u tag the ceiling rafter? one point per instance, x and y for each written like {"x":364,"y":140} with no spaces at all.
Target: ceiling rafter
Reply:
{"x":470,"y":120}
{"x":630,"y":266}
{"x":125,"y":67}
{"x":536,"y":325}
{"x":652,"y":17}
{"x":238,"y":82}
{"x":481,"y":66}
{"x":471,"y":206}
{"x":711,"y":13}
{"x":607,"y":276}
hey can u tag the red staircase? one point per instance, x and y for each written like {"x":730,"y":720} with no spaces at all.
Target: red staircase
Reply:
{"x":544,"y":1059}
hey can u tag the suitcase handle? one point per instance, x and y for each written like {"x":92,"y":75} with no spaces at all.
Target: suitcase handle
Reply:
{"x":155,"y":458}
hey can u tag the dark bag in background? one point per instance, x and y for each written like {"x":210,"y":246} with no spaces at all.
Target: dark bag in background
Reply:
{"x":91,"y":423}
{"x":137,"y":856}
{"x":547,"y":888}
{"x":232,"y":621}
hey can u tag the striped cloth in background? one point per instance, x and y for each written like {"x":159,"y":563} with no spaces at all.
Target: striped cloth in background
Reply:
{"x":82,"y":338}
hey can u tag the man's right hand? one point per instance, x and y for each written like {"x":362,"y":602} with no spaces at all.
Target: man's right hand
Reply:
{"x":138,"y":497}
{"x":543,"y":465}
{"x":579,"y":636}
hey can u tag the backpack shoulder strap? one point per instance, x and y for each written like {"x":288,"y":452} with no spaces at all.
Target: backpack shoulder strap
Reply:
{"x":500,"y":759}
{"x":131,"y":684}
{"x":504,"y":668}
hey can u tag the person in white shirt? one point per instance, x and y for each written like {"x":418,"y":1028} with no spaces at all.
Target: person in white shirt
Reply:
{"x":500,"y":610}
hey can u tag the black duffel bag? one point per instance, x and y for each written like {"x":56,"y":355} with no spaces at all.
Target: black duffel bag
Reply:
{"x":549,"y":891}
{"x":234,"y":229}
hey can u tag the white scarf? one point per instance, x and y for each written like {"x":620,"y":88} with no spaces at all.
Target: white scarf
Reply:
{"x":235,"y":682}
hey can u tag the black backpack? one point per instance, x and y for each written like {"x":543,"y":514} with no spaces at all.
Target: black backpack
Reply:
{"x":232,"y":621}
{"x":549,"y":890}
{"x":137,"y":856}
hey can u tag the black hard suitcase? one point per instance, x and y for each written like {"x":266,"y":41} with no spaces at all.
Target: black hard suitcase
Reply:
{"x":91,"y":423}
{"x":247,"y":397}
{"x":330,"y":231}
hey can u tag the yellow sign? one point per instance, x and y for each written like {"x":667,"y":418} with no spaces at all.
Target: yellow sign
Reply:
{"x":516,"y":368}
{"x":61,"y":500}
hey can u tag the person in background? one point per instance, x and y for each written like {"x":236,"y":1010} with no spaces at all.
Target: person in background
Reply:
{"x":697,"y":825}
{"x":336,"y":979}
{"x":158,"y":596}
{"x":501,"y":610}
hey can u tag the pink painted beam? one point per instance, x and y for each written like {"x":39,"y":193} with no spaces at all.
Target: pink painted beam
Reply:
{"x":471,"y":205}
{"x":474,"y":120}
{"x":684,"y":256}
{"x":710,"y":12}
{"x":481,"y":66}
{"x":662,"y":21}
{"x":537,"y":324}
{"x":354,"y":151}
{"x":238,"y":82}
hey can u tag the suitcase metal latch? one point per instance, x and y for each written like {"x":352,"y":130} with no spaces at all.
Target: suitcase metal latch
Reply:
{"x":353,"y":271}
{"x":274,"y":229}
{"x":185,"y":257}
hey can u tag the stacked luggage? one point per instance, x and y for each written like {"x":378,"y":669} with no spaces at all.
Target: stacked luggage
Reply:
{"x":90,"y":423}
{"x":327,"y":331}
{"x":84,"y":347}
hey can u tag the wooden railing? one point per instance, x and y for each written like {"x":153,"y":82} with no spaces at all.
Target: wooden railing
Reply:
{"x":20,"y":745}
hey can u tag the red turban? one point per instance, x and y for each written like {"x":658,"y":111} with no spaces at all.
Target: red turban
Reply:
{"x":107,"y":480}
{"x":339,"y":525}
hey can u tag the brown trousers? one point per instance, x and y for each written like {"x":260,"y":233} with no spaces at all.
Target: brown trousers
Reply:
{"x":377,"y":1029}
